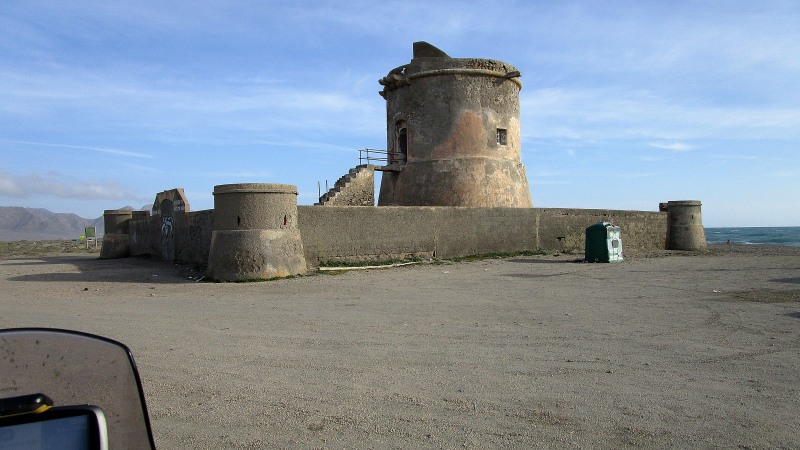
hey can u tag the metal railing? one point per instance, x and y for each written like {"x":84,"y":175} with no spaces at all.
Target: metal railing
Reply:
{"x":379,"y":157}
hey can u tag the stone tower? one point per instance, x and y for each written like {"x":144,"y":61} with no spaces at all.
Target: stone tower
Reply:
{"x":255,"y":233}
{"x":685,"y":225}
{"x":453,"y":138}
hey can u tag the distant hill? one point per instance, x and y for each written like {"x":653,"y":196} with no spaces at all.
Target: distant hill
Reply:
{"x":36,"y":224}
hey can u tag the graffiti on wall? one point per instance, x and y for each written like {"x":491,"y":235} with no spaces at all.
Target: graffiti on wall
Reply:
{"x":167,"y":238}
{"x":167,"y":230}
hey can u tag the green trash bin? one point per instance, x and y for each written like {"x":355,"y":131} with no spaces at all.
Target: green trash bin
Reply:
{"x":603,"y":243}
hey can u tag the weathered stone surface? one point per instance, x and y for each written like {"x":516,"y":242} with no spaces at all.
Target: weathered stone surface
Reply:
{"x":170,"y":201}
{"x":116,"y":242}
{"x":116,"y":221}
{"x":351,"y":233}
{"x":372,"y":233}
{"x":453,"y":124}
{"x":685,"y":226}
{"x":255,"y":233}
{"x":115,"y":246}
{"x":357,"y":188}
{"x":238,"y":255}
{"x":255,"y":206}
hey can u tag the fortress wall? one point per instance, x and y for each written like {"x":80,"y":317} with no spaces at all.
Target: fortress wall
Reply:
{"x":358,"y":233}
{"x":476,"y":231}
{"x":564,"y":229}
{"x":145,"y":236}
{"x":193,"y":237}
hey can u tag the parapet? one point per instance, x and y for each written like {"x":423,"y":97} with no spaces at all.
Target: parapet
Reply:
{"x":429,"y":61}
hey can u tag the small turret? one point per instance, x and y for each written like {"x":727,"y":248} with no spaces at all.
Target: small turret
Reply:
{"x":685,"y":225}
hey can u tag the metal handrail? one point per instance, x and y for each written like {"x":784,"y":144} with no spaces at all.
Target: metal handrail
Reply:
{"x":368,"y":155}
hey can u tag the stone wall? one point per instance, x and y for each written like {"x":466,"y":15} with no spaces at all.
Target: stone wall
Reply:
{"x":191,"y":233}
{"x":352,"y":233}
{"x":145,"y":236}
{"x":193,"y":237}
{"x":564,"y":229}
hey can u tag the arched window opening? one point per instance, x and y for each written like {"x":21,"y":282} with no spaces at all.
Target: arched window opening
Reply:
{"x":399,"y":153}
{"x":402,"y":145}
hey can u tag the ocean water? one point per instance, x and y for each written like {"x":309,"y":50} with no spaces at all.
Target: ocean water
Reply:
{"x":755,"y":235}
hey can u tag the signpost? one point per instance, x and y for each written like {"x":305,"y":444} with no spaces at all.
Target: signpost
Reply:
{"x":89,"y":233}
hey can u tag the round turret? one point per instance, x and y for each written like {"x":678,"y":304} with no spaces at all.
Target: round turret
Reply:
{"x":255,"y":233}
{"x":685,"y":226}
{"x":453,"y":133}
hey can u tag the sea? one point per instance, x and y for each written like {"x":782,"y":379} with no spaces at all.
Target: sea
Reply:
{"x":789,"y":236}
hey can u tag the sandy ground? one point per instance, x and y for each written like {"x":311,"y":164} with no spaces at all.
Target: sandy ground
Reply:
{"x":678,"y":350}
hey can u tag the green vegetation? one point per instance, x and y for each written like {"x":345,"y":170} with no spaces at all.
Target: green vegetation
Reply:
{"x":385,"y":262}
{"x":26,"y":249}
{"x":389,"y":262}
{"x":250,"y":280}
{"x":538,"y":252}
{"x":484,"y":256}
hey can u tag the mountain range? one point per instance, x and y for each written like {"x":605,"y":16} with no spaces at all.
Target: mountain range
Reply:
{"x":36,"y":224}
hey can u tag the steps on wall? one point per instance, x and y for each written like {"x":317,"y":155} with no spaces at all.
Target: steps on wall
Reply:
{"x":344,"y":184}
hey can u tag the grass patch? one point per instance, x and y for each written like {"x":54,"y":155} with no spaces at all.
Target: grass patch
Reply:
{"x":250,"y":280}
{"x":385,"y":262}
{"x":388,"y":262}
{"x":538,"y":252}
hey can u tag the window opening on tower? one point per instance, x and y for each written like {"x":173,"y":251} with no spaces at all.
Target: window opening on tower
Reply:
{"x":502,"y":136}
{"x":400,"y":155}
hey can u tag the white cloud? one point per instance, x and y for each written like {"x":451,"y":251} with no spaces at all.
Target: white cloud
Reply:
{"x":674,"y":146}
{"x":632,"y":175}
{"x":615,"y":113}
{"x":110,"y":151}
{"x":793,"y":174}
{"x":56,"y":185}
{"x":77,"y":100}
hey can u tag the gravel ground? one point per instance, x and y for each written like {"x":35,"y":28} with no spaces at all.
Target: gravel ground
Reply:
{"x":671,"y":349}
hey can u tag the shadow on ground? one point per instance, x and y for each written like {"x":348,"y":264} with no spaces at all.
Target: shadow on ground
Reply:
{"x":764,"y":296}
{"x":545,"y":261}
{"x":533,"y":275}
{"x":88,"y":269}
{"x":787,"y":280}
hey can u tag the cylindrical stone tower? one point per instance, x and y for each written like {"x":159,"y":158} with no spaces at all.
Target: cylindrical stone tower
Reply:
{"x":255,"y":233}
{"x":116,"y":238}
{"x":685,"y":226}
{"x":453,"y":133}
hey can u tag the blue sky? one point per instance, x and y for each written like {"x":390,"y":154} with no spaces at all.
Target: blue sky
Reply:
{"x":625,"y":104}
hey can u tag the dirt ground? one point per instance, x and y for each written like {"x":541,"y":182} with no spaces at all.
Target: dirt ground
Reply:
{"x":672,"y":350}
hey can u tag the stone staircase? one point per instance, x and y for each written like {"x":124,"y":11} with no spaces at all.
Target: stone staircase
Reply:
{"x":356,"y":188}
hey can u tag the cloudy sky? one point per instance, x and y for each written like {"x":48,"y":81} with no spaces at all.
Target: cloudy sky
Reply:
{"x":625,"y":104}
